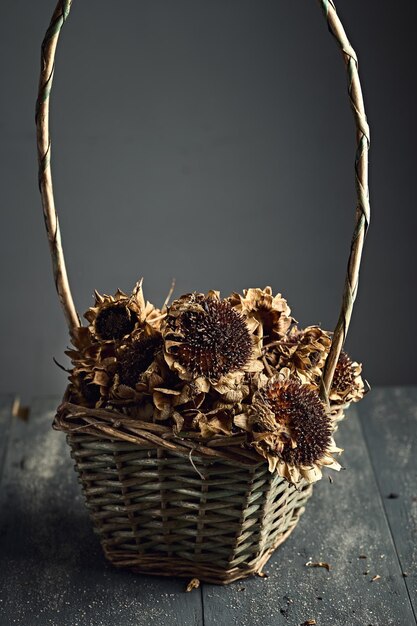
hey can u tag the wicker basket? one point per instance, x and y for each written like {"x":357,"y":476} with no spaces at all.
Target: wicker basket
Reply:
{"x":166,"y":505}
{"x":163,"y":505}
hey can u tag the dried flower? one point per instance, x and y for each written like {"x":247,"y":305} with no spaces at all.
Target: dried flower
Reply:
{"x":272,"y":312}
{"x":97,"y":347}
{"x":212,"y":368}
{"x":347,"y":385}
{"x":205,"y":337}
{"x":304,"y":352}
{"x":115,"y":317}
{"x":292,"y":430}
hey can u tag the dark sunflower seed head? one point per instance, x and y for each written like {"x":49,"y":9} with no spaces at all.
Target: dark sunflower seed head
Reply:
{"x":343,"y":375}
{"x":300,"y":409}
{"x":135,"y":358}
{"x":114,"y":322}
{"x":214,"y":340}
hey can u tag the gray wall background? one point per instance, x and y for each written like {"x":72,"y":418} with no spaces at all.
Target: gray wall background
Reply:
{"x":211,"y":141}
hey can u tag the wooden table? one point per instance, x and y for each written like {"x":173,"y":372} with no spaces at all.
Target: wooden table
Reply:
{"x":363,"y":524}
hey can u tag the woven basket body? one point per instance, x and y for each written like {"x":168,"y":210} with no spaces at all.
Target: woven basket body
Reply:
{"x":157,"y":512}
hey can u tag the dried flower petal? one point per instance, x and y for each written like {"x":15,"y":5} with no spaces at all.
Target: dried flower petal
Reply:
{"x":93,"y":369}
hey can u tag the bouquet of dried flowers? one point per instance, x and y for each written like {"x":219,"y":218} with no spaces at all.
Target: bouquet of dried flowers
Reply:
{"x":209,"y":367}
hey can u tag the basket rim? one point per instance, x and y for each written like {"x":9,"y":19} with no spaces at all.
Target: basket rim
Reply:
{"x":112,"y":425}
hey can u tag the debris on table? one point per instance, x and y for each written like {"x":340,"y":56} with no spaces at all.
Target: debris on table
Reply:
{"x":193,"y":584}
{"x":319,"y":564}
{"x":20,"y":411}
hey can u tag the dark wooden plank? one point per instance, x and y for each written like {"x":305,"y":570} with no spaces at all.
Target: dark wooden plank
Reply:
{"x":52,"y":571}
{"x":389,"y":421}
{"x":6,"y":404}
{"x":343,"y":521}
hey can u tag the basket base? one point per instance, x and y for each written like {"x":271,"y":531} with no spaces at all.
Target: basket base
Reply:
{"x":156,"y":565}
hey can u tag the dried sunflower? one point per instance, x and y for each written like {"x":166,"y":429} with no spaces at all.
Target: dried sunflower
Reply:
{"x":208,"y":342}
{"x":272,"y":312}
{"x":137,"y":368}
{"x":347,"y":385}
{"x":304,"y":352}
{"x":114,"y":317}
{"x":291,"y":428}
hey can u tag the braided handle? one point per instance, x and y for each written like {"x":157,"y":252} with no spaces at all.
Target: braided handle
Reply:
{"x":362,"y":214}
{"x":363,"y":210}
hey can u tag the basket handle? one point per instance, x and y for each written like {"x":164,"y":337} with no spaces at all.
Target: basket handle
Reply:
{"x":362,"y":214}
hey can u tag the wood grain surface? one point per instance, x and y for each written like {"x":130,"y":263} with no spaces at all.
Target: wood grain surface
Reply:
{"x":362,"y":524}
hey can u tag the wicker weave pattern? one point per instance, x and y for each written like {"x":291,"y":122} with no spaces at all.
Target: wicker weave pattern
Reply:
{"x":156,"y":511}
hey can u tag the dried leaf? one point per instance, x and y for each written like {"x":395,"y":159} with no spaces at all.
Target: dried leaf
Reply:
{"x":193,"y":584}
{"x":319,"y":564}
